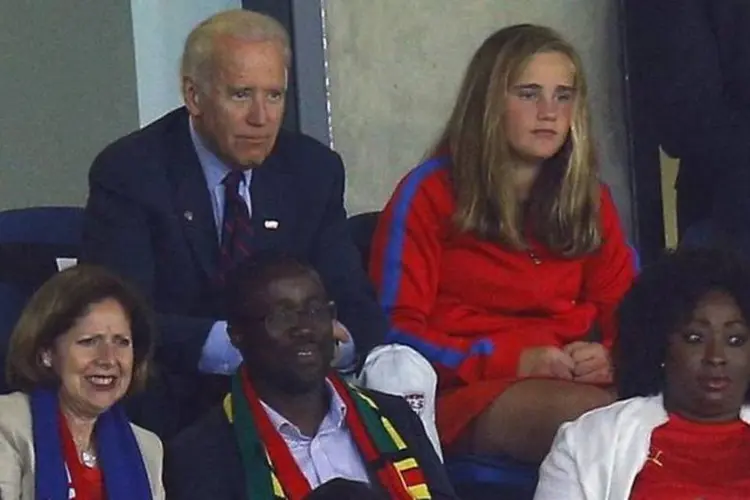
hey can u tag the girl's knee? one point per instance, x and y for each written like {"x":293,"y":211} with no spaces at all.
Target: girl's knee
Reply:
{"x":583,"y":398}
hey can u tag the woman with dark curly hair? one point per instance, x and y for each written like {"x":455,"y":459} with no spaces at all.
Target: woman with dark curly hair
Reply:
{"x":682,"y":370}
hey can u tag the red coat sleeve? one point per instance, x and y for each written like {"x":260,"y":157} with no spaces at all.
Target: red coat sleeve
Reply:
{"x":609,"y":272}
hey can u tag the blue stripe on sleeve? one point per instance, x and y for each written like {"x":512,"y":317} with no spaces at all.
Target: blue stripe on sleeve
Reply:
{"x":445,"y":356}
{"x":393,"y":260}
{"x":393,"y":267}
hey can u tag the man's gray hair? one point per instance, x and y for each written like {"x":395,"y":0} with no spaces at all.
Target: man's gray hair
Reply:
{"x":237,"y":23}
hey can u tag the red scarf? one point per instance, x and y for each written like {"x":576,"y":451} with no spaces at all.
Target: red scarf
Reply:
{"x":397,"y":483}
{"x":85,"y":481}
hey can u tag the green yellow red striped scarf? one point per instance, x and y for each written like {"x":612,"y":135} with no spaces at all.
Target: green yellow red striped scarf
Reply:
{"x":266,"y":458}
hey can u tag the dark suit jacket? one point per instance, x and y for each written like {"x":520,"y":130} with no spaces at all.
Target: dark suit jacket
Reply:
{"x":204,"y":460}
{"x":692,"y":61}
{"x":149,"y":217}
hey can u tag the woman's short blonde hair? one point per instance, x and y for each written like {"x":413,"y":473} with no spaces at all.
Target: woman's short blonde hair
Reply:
{"x":563,"y":205}
{"x":54,"y":309}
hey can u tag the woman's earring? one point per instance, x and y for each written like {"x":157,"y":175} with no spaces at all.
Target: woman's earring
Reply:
{"x":46,"y":361}
{"x":662,"y":365}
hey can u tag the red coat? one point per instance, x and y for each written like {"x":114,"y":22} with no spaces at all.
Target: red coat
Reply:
{"x":471,"y":306}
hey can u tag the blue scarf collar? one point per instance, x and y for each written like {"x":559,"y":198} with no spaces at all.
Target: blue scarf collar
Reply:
{"x":119,"y":456}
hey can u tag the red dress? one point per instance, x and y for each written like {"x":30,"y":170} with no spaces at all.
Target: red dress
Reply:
{"x":690,"y":460}
{"x":85,"y":482}
{"x":471,"y":306}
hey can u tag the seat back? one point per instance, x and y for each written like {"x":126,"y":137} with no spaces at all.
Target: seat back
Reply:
{"x":11,"y":304}
{"x":54,"y":225}
{"x":34,"y":244}
{"x":478,"y":476}
{"x":362,"y":227}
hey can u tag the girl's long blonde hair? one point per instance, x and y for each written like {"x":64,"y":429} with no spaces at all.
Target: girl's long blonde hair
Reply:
{"x":562,"y":209}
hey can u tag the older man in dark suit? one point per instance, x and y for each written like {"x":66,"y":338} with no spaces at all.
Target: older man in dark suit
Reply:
{"x":176,"y":205}
{"x":289,"y":425}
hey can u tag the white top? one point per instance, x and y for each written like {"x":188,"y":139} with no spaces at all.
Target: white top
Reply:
{"x":599,"y":455}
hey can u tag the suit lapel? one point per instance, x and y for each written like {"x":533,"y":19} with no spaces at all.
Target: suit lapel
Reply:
{"x":273,"y":204}
{"x":193,"y":200}
{"x":234,"y":470}
{"x":219,"y":472}
{"x":194,"y":209}
{"x":272,"y":197}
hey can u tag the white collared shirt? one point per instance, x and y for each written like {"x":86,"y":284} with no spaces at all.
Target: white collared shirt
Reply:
{"x":214,"y":170}
{"x":330,"y":453}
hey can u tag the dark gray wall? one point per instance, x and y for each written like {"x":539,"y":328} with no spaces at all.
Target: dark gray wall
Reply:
{"x":67,"y":88}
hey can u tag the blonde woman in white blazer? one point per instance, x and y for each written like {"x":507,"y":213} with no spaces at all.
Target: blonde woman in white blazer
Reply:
{"x":682,"y":367}
{"x":81,"y":344}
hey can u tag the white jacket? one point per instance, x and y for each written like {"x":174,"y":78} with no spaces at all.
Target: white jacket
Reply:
{"x":599,"y":455}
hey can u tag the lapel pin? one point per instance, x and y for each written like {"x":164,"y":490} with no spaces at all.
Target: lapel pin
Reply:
{"x":271,"y":224}
{"x":188,"y":215}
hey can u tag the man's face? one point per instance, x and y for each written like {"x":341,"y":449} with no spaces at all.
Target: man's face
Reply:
{"x":287,"y":339}
{"x":239,"y":109}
